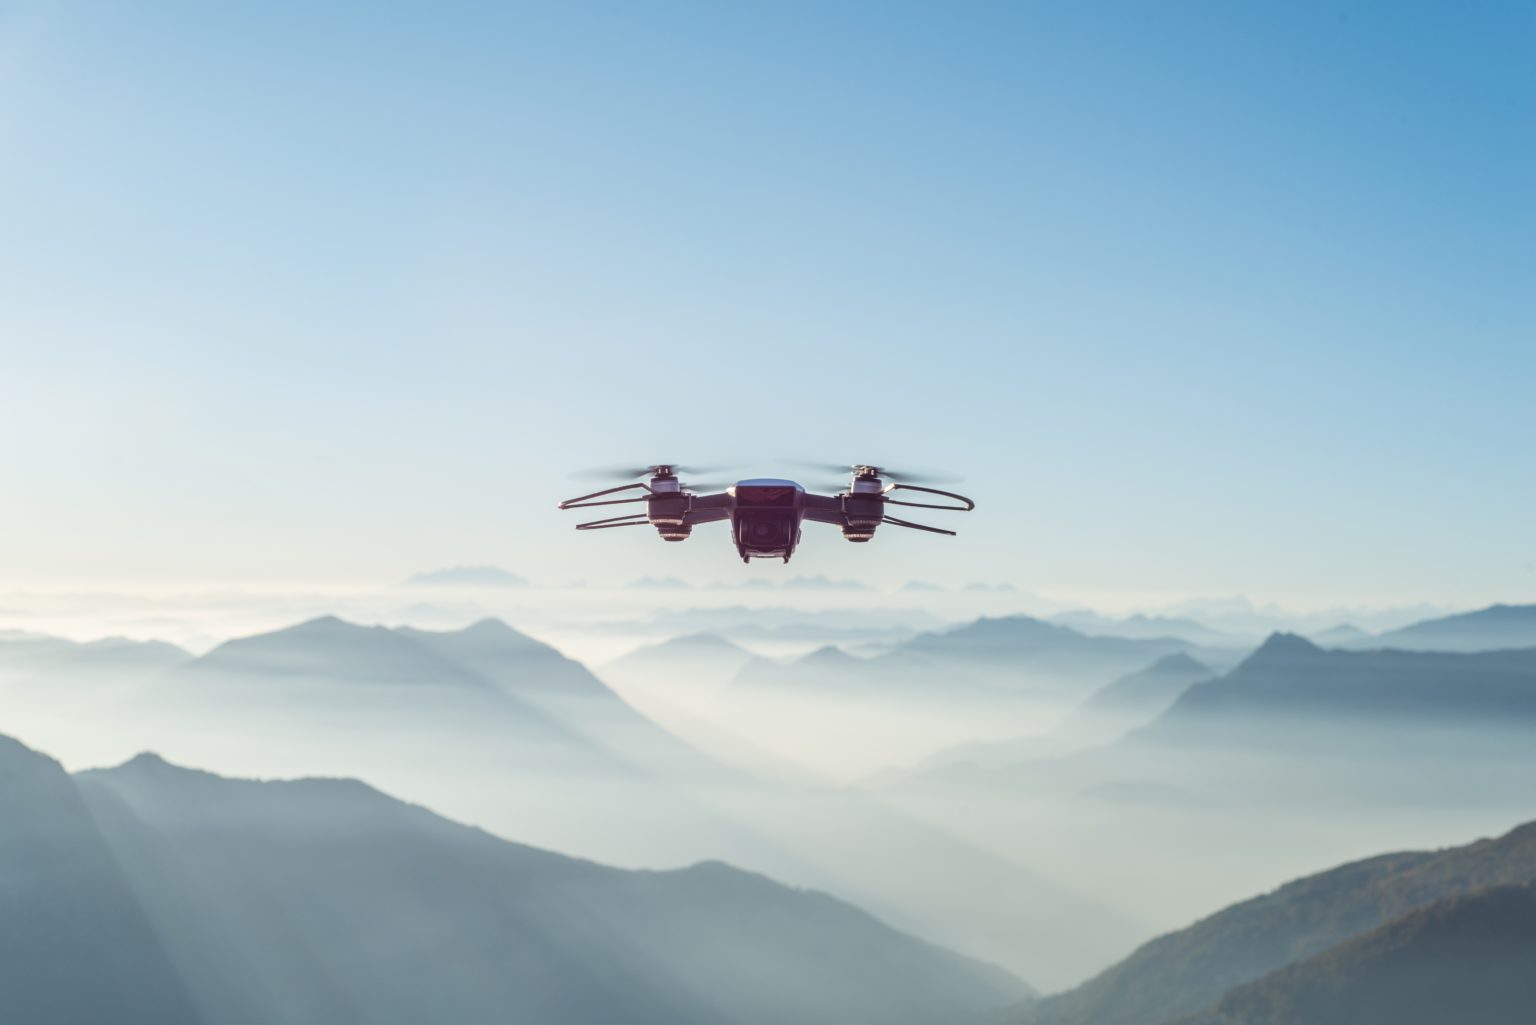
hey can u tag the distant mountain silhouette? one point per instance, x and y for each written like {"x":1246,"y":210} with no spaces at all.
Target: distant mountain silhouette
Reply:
{"x":335,"y":651}
{"x":1185,"y":972}
{"x":487,"y":674}
{"x":75,"y":944}
{"x":117,"y":659}
{"x":1298,"y":730}
{"x":1468,"y":958}
{"x":324,"y":902}
{"x":1135,"y":699}
{"x":1028,"y":655}
{"x":513,"y":662}
{"x":1342,"y":636}
{"x":467,"y":576}
{"x":829,"y":671}
{"x":1348,"y":693}
{"x":533,"y":672}
{"x":1144,"y":627}
{"x":1490,"y":629}
{"x":692,"y":663}
{"x":1129,"y":702}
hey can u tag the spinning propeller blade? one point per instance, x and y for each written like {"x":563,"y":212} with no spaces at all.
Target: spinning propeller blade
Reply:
{"x":884,"y":472}
{"x":633,"y":472}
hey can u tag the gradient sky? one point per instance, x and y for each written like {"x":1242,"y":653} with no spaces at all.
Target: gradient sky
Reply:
{"x":1200,"y":297}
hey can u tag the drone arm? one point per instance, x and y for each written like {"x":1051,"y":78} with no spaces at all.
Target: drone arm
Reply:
{"x":824,"y":509}
{"x":893,"y":521}
{"x":966,"y":505}
{"x":586,"y":500}
{"x":710,"y":508}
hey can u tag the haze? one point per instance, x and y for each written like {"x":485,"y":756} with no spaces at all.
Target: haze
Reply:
{"x":1218,"y":711}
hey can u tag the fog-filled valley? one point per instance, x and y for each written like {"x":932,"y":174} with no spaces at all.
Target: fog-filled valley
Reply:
{"x":1037,"y":795}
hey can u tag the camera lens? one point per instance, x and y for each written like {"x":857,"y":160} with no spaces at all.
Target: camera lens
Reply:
{"x":765,"y":531}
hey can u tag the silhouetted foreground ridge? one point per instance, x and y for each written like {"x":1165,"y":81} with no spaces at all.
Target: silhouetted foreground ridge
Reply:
{"x":153,"y":894}
{"x":1188,"y":973}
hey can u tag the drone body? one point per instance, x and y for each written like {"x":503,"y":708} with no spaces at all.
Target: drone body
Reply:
{"x":765,"y":513}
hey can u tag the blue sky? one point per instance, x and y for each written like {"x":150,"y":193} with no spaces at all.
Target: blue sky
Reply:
{"x":1200,"y":297}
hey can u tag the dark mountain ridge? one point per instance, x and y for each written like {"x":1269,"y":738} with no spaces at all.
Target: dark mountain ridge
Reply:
{"x":324,"y":902}
{"x":1289,"y":676}
{"x":1496,"y":627}
{"x":1185,"y":972}
{"x":75,"y":943}
{"x":1468,"y":958}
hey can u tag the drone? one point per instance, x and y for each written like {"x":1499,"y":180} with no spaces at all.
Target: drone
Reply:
{"x":765,"y":513}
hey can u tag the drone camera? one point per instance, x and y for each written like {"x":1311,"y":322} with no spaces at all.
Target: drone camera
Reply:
{"x":765,"y":532}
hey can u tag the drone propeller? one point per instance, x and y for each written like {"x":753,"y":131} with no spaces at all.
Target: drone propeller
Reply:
{"x":931,"y":476}
{"x":632,"y":472}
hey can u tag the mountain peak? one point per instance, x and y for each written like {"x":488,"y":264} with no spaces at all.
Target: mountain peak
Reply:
{"x":489,"y":627}
{"x":327,"y":624}
{"x":151,"y":763}
{"x":327,"y":628}
{"x":1178,"y":662}
{"x":487,"y":635}
{"x":146,"y":761}
{"x":829,"y":654}
{"x":150,"y":766}
{"x":1281,"y":645}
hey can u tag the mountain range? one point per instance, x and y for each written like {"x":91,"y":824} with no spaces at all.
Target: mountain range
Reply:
{"x":154,"y":894}
{"x":1491,"y":629}
{"x":25,"y":657}
{"x":830,"y":672}
{"x":1346,"y":695}
{"x":519,"y":689}
{"x":1145,"y":627}
{"x":1133,"y":700}
{"x":696,"y":664}
{"x":1030,"y":657}
{"x":1297,"y":719}
{"x":478,"y":724}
